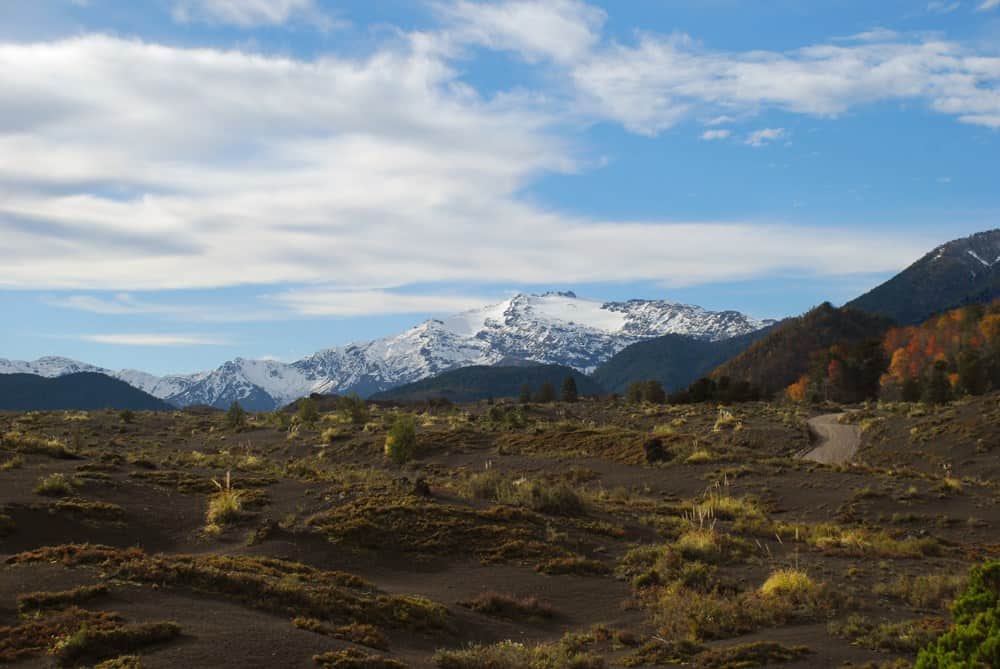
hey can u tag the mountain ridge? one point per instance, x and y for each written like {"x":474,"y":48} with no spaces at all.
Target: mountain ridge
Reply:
{"x":557,"y":328}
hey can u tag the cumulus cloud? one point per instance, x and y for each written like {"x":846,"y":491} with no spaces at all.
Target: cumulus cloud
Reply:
{"x":250,"y":13}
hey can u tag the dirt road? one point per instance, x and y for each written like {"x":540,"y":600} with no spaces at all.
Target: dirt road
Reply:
{"x":836,"y":443}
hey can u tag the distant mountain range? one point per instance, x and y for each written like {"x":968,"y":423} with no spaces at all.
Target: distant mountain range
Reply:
{"x":554,"y":328}
{"x":470,"y":384}
{"x":963,"y":271}
{"x":618,"y":342}
{"x":78,"y":390}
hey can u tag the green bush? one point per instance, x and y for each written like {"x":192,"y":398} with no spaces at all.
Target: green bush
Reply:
{"x":974,"y":639}
{"x":401,"y":441}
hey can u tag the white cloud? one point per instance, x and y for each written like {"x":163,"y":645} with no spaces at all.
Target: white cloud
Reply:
{"x":156,"y":340}
{"x":942,"y":7}
{"x":250,"y":13}
{"x":334,"y":302}
{"x":663,"y":81}
{"x":128,"y":166}
{"x":765,"y":136}
{"x":710,"y":135}
{"x":563,"y":30}
{"x":989,"y":4}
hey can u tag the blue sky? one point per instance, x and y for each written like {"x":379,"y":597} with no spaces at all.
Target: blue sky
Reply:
{"x":186,"y":181}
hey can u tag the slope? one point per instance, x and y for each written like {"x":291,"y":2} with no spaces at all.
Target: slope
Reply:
{"x":481,"y":382}
{"x":83,"y":391}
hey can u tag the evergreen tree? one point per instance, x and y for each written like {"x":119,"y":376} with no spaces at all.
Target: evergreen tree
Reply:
{"x":308,"y":413}
{"x":938,"y":389}
{"x":634,"y":393}
{"x":546,"y":393}
{"x":525,"y":396}
{"x":972,"y":372}
{"x":653,"y":392}
{"x":569,"y":392}
{"x":236,"y":417}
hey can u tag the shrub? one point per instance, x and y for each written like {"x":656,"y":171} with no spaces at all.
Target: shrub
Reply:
{"x":505,"y":606}
{"x":573,"y":565}
{"x":308,"y":413}
{"x":33,"y":601}
{"x":926,"y":591}
{"x":30,"y":444}
{"x":352,"y":658}
{"x":401,"y":441}
{"x":974,"y":639}
{"x":512,"y":655}
{"x":95,"y":644}
{"x":236,"y":417}
{"x":54,"y":485}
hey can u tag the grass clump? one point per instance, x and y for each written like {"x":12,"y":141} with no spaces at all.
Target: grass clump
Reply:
{"x":552,"y":498}
{"x":861,"y":542}
{"x":121,"y":662}
{"x":759,"y":654}
{"x":34,"y":636}
{"x":30,"y":444}
{"x":415,"y":525}
{"x":359,"y":633}
{"x":15,"y":462}
{"x":512,"y":655}
{"x":506,"y":606}
{"x":34,"y":601}
{"x":573,"y":565}
{"x":901,"y":637}
{"x":97,"y":644}
{"x":54,"y":485}
{"x":924,"y":591}
{"x":226,"y":505}
{"x":793,"y":585}
{"x":352,"y":658}
{"x":99,"y":510}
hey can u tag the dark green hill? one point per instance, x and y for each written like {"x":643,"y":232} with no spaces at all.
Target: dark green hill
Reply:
{"x":780,"y":358}
{"x":85,"y":391}
{"x":674,"y":360}
{"x":470,"y":384}
{"x":963,"y":271}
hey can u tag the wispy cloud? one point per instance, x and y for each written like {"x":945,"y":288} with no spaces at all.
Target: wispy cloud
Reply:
{"x":943,"y":7}
{"x":125,"y":304}
{"x":988,"y":5}
{"x":333,"y":302}
{"x":765,"y":136}
{"x":153,"y":340}
{"x":252,"y":13}
{"x":710,"y":135}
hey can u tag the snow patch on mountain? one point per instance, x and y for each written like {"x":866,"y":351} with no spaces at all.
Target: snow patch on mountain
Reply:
{"x":554,"y":328}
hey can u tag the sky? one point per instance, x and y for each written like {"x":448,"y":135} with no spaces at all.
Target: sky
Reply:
{"x":187,"y":181}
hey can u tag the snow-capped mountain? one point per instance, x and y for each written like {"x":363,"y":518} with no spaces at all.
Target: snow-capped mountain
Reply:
{"x":555,"y":328}
{"x":962,"y":271}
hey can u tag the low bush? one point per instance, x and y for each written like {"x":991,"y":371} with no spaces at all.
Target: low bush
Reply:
{"x":512,"y":655}
{"x":506,"y":606}
{"x":54,"y":485}
{"x":98,"y":644}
